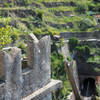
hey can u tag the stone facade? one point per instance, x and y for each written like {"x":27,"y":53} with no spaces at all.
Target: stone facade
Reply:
{"x":17,"y":83}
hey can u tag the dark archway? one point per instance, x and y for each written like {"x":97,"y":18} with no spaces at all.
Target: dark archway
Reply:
{"x":88,"y":87}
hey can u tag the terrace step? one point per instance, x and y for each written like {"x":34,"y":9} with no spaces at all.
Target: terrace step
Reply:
{"x":69,"y":24}
{"x":5,"y":3}
{"x":57,"y":4}
{"x":64,"y":13}
{"x":9,"y":3}
{"x":17,"y":12}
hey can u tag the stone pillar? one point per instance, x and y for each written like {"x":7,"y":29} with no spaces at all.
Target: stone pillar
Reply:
{"x":38,"y":55}
{"x":65,"y":50}
{"x":13,"y":73}
{"x":69,"y":70}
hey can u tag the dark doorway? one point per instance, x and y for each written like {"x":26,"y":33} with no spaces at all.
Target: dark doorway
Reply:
{"x":88,"y":87}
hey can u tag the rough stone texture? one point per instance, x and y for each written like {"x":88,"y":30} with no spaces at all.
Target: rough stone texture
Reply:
{"x":32,"y":41}
{"x":18,"y":83}
{"x":2,"y":65}
{"x":66,"y":25}
{"x":44,"y":93}
{"x":87,"y":68}
{"x":81,"y":35}
{"x":63,"y":13}
{"x":57,"y":4}
{"x":2,"y":91}
{"x":47,"y":97}
{"x":38,"y":55}
{"x":28,"y":84}
{"x":23,"y":13}
{"x":65,"y":50}
{"x":13,"y":74}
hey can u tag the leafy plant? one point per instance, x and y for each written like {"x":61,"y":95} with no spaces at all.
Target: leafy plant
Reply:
{"x":81,"y":9}
{"x":58,"y":72}
{"x":22,"y":46}
{"x":83,"y":50}
{"x":73,"y":42}
{"x":5,"y":36}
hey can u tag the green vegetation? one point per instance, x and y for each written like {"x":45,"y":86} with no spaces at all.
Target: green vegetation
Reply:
{"x":95,"y":59}
{"x":5,"y":36}
{"x":21,"y":17}
{"x":80,"y":17}
{"x":84,"y":51}
{"x":58,"y":72}
{"x":73,"y":42}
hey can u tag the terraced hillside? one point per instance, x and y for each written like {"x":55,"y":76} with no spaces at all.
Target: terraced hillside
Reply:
{"x":47,"y":17}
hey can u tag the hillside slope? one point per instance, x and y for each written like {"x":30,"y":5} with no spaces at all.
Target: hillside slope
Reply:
{"x":50,"y":16}
{"x":47,"y":17}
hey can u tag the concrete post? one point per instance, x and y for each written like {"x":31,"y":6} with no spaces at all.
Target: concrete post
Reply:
{"x":13,"y":74}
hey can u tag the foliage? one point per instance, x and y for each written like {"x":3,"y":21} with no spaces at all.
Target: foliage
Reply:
{"x":73,"y":42}
{"x":5,"y":36}
{"x":85,"y":24}
{"x":83,"y":50}
{"x":69,"y":59}
{"x":81,"y":9}
{"x":58,"y":72}
{"x":40,"y":15}
{"x":94,"y":59}
{"x":22,"y":46}
{"x":37,"y":25}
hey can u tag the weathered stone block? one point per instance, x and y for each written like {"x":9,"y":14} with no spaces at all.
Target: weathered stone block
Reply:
{"x":38,"y":54}
{"x":13,"y":76}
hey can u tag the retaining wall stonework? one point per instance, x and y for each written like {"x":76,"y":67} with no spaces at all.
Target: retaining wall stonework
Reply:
{"x":23,"y":84}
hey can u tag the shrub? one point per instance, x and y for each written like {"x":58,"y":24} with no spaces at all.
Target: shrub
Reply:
{"x":81,"y":9}
{"x":73,"y":42}
{"x":58,"y":72}
{"x":85,"y":23}
{"x":40,"y":14}
{"x":83,"y":50}
{"x":22,"y":46}
{"x":5,"y":36}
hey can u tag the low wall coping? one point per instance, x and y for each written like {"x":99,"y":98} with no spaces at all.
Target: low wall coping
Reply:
{"x":51,"y":86}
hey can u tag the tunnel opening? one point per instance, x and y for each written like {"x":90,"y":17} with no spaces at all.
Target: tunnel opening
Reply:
{"x":88,"y":88}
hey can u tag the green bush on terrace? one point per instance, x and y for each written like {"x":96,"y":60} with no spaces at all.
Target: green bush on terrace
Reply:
{"x":58,"y":72}
{"x":5,"y":36}
{"x":73,"y":42}
{"x":84,"y":50}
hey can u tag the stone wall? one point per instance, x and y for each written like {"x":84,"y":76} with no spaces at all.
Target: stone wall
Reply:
{"x":89,"y":69}
{"x":80,"y":35}
{"x":57,"y":4}
{"x":17,"y":83}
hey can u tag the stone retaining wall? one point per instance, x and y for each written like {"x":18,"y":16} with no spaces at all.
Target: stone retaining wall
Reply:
{"x":80,"y":35}
{"x":17,"y":83}
{"x":57,"y":4}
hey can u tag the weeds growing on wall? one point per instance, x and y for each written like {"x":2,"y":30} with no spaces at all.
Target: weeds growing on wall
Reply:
{"x":58,"y":72}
